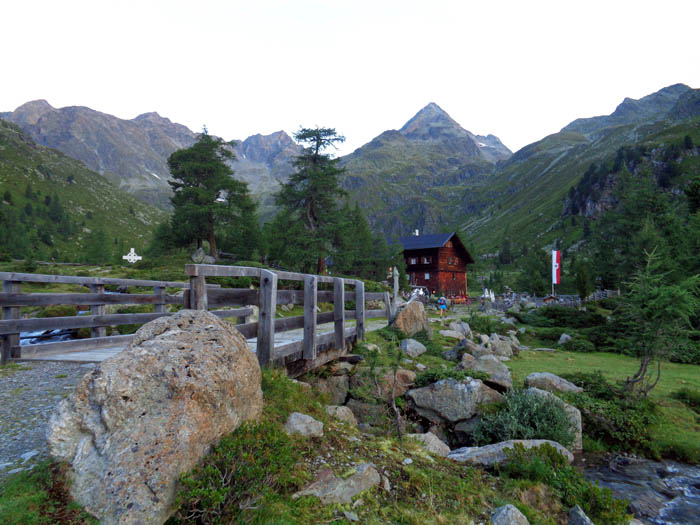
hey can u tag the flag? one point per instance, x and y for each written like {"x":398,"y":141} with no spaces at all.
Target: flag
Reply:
{"x":556,"y":266}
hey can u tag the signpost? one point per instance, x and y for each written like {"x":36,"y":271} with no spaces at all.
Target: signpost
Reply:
{"x":132,"y":257}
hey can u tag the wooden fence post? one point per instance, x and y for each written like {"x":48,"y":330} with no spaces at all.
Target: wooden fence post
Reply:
{"x":198,"y":293}
{"x":339,"y":312}
{"x":360,"y":309}
{"x":310,"y":299}
{"x":98,"y":309}
{"x":159,"y":308}
{"x":266,"y":321}
{"x":387,"y":303}
{"x":10,"y":341}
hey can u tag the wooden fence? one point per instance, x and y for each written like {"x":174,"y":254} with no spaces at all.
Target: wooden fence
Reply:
{"x":268,"y":296}
{"x":197,"y":295}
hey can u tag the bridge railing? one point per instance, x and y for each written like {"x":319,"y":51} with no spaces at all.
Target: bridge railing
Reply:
{"x":197,"y":295}
{"x":268,"y":296}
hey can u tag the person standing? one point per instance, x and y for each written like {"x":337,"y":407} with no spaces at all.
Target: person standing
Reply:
{"x":442,"y":306}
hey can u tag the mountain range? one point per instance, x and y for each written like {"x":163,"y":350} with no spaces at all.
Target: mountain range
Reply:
{"x":430,"y":174}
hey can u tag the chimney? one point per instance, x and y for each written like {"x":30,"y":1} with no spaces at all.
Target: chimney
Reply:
{"x":416,"y":233}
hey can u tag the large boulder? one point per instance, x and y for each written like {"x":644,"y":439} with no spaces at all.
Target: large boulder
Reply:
{"x":551,"y":382}
{"x":303,"y":425}
{"x":462,"y":327}
{"x":500,"y":377}
{"x":341,"y":413}
{"x":576,"y":516}
{"x":151,"y":412}
{"x":335,"y":386}
{"x":413,"y":319}
{"x":501,"y":346}
{"x":330,"y":489}
{"x":432,"y":443}
{"x":490,"y":455}
{"x":451,"y":400}
{"x":412,"y":348}
{"x":573,"y":414}
{"x":563,"y":339}
{"x":508,"y":515}
{"x":200,"y":257}
{"x":452,"y":334}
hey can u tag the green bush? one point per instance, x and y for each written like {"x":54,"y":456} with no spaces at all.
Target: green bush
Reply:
{"x":432,"y":375}
{"x":550,"y":316}
{"x":546,"y":465}
{"x":689,"y":397}
{"x":525,"y":416}
{"x":549,"y":334}
{"x":255,"y":459}
{"x":594,"y":384}
{"x":579,"y":344}
{"x":608,"y":416}
{"x":483,"y":324}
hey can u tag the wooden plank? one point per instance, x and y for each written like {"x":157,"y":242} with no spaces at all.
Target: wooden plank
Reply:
{"x":238,"y":312}
{"x":217,"y":270}
{"x":374,"y":296}
{"x":158,"y":292}
{"x":339,"y":311}
{"x":87,"y":299}
{"x":198,"y":293}
{"x":76,"y":345}
{"x":98,"y":309}
{"x":360,"y":309}
{"x":71,"y":279}
{"x":326,"y":352}
{"x":11,"y":340}
{"x":248,"y":330}
{"x":266,"y":322}
{"x":75,"y":321}
{"x":387,"y":305}
{"x":232,"y":296}
{"x":310,"y":296}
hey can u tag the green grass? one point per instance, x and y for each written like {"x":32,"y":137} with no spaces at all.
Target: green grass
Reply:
{"x":678,"y":430}
{"x":39,"y":497}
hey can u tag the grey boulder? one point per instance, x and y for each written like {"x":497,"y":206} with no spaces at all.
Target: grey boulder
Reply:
{"x":432,"y":443}
{"x":576,"y":516}
{"x":303,"y":425}
{"x":330,"y":489}
{"x":550,"y":382}
{"x":412,"y":348}
{"x":494,"y":454}
{"x":508,"y":515}
{"x":452,"y":400}
{"x":500,"y":377}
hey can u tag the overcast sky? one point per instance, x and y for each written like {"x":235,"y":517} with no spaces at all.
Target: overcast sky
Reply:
{"x":520,"y":70}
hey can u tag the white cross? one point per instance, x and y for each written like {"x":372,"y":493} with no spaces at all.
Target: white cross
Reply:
{"x":132,"y":257}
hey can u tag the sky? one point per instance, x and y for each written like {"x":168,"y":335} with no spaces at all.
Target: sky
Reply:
{"x":520,"y":70}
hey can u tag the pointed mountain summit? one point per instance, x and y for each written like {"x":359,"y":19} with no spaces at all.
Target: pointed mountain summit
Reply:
{"x":432,"y":123}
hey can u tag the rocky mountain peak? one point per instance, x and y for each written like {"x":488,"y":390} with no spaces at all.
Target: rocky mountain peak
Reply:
{"x":152,"y":115}
{"x":431,"y":122}
{"x":30,"y":112}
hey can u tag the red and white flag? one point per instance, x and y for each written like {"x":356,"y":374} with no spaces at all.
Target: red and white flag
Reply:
{"x":556,"y":266}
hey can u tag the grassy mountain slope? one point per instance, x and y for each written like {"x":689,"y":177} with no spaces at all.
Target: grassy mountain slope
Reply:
{"x":89,"y":200}
{"x":527,"y":193}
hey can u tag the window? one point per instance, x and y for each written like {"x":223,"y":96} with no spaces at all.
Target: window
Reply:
{"x":448,"y":244}
{"x":426,"y":260}
{"x":412,"y":260}
{"x":427,"y":276}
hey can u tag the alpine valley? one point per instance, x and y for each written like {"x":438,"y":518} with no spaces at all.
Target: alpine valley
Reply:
{"x":431,"y":174}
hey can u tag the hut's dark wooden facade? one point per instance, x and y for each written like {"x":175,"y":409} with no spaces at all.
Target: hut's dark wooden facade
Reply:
{"x":438,"y":262}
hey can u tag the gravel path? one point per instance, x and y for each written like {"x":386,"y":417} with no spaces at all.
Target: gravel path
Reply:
{"x":28,"y":395}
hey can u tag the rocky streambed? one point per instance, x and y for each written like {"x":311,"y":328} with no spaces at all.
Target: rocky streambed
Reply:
{"x":659,"y":492}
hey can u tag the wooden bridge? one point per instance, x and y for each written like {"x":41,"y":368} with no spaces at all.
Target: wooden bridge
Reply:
{"x":307,"y":353}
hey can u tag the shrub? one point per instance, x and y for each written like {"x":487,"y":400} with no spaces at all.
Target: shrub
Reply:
{"x":594,"y":383}
{"x":579,"y":344}
{"x":545,"y":465}
{"x":525,"y":416}
{"x":255,"y":459}
{"x":484,"y":324}
{"x":689,"y":397}
{"x":549,"y":334}
{"x":59,"y":310}
{"x":550,"y":316}
{"x":432,"y":375}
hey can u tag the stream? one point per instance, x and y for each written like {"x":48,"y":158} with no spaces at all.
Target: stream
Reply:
{"x":659,"y":492}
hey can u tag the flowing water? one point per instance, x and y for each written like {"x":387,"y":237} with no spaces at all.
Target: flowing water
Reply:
{"x":659,"y":492}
